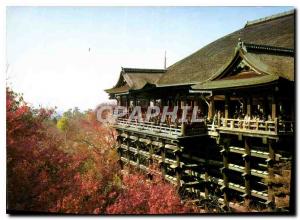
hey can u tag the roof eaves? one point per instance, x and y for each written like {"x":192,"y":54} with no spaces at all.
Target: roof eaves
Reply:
{"x":176,"y":84}
{"x":221,"y":84}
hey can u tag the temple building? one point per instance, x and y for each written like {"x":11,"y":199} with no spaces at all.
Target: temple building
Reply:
{"x":242,"y":152}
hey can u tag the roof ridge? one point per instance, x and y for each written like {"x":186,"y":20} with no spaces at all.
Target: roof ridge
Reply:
{"x":145,"y":70}
{"x":269,"y":18}
{"x":269,"y":48}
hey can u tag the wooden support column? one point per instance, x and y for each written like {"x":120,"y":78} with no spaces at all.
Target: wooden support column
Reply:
{"x":247,"y":174}
{"x":163,"y":102}
{"x":206,"y":190}
{"x":138,"y":154}
{"x":244,"y":105}
{"x":227,"y":99}
{"x":270,"y":161}
{"x":163,"y":157}
{"x":211,"y":108}
{"x":266,"y":107}
{"x":118,"y":98}
{"x":151,"y":154}
{"x":127,"y":154}
{"x":127,"y":102}
{"x":183,"y":102}
{"x":274,"y":107}
{"x":178,"y":173}
{"x":249,"y":106}
{"x":121,"y":100}
{"x":224,"y":188}
{"x":119,"y":140}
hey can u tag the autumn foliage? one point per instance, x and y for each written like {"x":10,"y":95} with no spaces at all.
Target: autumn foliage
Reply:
{"x":71,"y":166}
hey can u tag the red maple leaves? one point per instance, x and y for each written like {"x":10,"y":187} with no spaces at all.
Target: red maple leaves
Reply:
{"x":47,"y":173}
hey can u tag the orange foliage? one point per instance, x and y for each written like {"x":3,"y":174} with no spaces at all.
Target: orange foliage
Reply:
{"x":46,"y":173}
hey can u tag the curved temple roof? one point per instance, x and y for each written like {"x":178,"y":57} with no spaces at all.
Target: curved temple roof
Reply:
{"x":278,"y":31}
{"x":269,"y":47}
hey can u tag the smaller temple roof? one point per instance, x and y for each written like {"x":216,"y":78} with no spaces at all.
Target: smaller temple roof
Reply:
{"x":135,"y":78}
{"x":121,"y":89}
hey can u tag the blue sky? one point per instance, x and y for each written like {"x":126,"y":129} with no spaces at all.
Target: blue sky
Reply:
{"x":48,"y":47}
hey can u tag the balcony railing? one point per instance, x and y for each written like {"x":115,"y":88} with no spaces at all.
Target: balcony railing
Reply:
{"x":254,"y":126}
{"x":150,"y":126}
{"x":183,"y":129}
{"x":191,"y":129}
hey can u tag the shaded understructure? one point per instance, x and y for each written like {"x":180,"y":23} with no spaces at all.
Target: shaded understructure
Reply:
{"x":227,"y":156}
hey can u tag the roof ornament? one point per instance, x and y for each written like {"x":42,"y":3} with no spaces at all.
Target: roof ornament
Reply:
{"x":241,"y":45}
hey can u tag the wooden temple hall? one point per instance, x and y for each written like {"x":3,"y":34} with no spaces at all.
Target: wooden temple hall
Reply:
{"x":242,"y":153}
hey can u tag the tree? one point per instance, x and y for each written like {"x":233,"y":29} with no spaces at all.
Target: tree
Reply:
{"x":83,"y":177}
{"x":147,"y":197}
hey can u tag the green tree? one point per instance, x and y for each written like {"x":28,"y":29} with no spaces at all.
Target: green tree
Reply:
{"x":63,"y":125}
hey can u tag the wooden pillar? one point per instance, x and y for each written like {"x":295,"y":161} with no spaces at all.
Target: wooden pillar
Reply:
{"x":138,"y":154}
{"x":127,"y":154}
{"x":178,"y":174}
{"x":227,"y":99}
{"x":118,"y":100}
{"x":244,"y":105}
{"x":119,"y":149}
{"x":211,"y":108}
{"x":274,"y":107}
{"x":224,"y":188}
{"x":151,"y":154}
{"x":270,"y":161}
{"x":163,"y":102}
{"x":249,"y":106}
{"x":183,"y":129}
{"x":266,"y":107}
{"x":247,"y":174}
{"x":206,"y":179}
{"x":127,"y":101}
{"x":163,"y":157}
{"x":183,"y":102}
